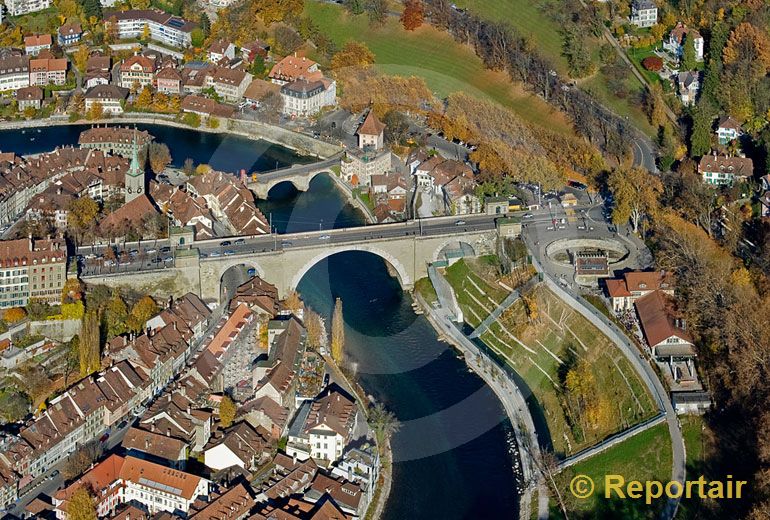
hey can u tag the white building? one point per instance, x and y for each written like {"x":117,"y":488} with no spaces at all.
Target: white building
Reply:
{"x":688,"y":84}
{"x":679,"y":36}
{"x":14,"y":73}
{"x":221,"y":49}
{"x":20,"y":7}
{"x":327,"y":426}
{"x":159,"y":488}
{"x":728,"y":129}
{"x":163,"y":27}
{"x":644,"y":13}
{"x":302,"y":98}
{"x":109,"y":96}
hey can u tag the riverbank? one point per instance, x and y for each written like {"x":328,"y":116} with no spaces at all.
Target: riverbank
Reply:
{"x":513,"y":402}
{"x":375,"y":509}
{"x":300,"y":143}
{"x":354,"y":201}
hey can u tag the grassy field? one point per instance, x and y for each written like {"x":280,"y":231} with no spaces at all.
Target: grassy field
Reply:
{"x":697,"y":445}
{"x":645,"y":456}
{"x":433,"y":55}
{"x":529,"y":19}
{"x":541,"y":351}
{"x":627,"y":107}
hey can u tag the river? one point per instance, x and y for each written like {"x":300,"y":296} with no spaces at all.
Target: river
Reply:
{"x":455,"y":450}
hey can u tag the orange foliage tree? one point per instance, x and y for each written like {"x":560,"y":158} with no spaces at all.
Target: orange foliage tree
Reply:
{"x":413,"y":15}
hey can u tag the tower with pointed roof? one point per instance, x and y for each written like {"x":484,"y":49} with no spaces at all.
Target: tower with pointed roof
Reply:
{"x":134,"y":179}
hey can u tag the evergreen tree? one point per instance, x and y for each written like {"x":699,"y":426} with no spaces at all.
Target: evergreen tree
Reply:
{"x":700,"y":136}
{"x":205,"y":24}
{"x":688,"y":53}
{"x":92,"y":8}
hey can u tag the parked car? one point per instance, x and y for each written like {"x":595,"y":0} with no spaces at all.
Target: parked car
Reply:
{"x":215,"y":254}
{"x":225,"y":243}
{"x":239,"y":242}
{"x":251,"y":272}
{"x":165,"y":249}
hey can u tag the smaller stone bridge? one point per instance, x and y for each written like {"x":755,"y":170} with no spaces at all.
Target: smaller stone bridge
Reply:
{"x":299,"y":175}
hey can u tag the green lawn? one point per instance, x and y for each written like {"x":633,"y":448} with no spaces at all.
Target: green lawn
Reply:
{"x":645,"y":456}
{"x":425,"y":288}
{"x":433,"y":55}
{"x":527,"y":17}
{"x":627,"y":107}
{"x":696,"y":445}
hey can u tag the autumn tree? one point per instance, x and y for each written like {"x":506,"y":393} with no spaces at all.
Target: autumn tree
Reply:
{"x":80,"y":58}
{"x":72,"y":291}
{"x":396,"y":126}
{"x":159,"y":156}
{"x":590,"y":408}
{"x":90,"y":348}
{"x":338,"y":333}
{"x":227,"y":410}
{"x":655,"y":106}
{"x":96,"y":111}
{"x":81,"y":505}
{"x":749,"y":47}
{"x":293,"y":301}
{"x":636,"y":192}
{"x":287,"y":39}
{"x":144,"y":99}
{"x":142,"y":311}
{"x":116,"y":315}
{"x":14,"y":315}
{"x":81,"y":216}
{"x":352,"y":54}
{"x":315,"y":329}
{"x":413,"y":15}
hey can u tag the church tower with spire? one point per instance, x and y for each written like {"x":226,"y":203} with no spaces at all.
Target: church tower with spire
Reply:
{"x":135,"y":175}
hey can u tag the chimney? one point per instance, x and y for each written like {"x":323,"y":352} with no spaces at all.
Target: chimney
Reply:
{"x":168,"y":432}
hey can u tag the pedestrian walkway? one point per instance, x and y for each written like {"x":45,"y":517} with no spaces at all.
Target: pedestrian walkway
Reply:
{"x":496,"y":313}
{"x":446,"y":296}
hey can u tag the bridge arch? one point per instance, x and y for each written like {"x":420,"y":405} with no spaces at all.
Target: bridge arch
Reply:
{"x":300,"y":181}
{"x":464,"y":244}
{"x":401,"y":270}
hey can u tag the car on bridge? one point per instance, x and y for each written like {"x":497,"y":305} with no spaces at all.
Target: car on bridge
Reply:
{"x":225,"y":243}
{"x":460,"y":223}
{"x":239,"y":242}
{"x":324,"y":237}
{"x":229,"y":252}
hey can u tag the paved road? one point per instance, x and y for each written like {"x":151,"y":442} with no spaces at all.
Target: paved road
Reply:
{"x":152,"y":255}
{"x":644,"y":154}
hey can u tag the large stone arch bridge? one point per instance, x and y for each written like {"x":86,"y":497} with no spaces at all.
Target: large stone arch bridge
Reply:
{"x":283,"y":260}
